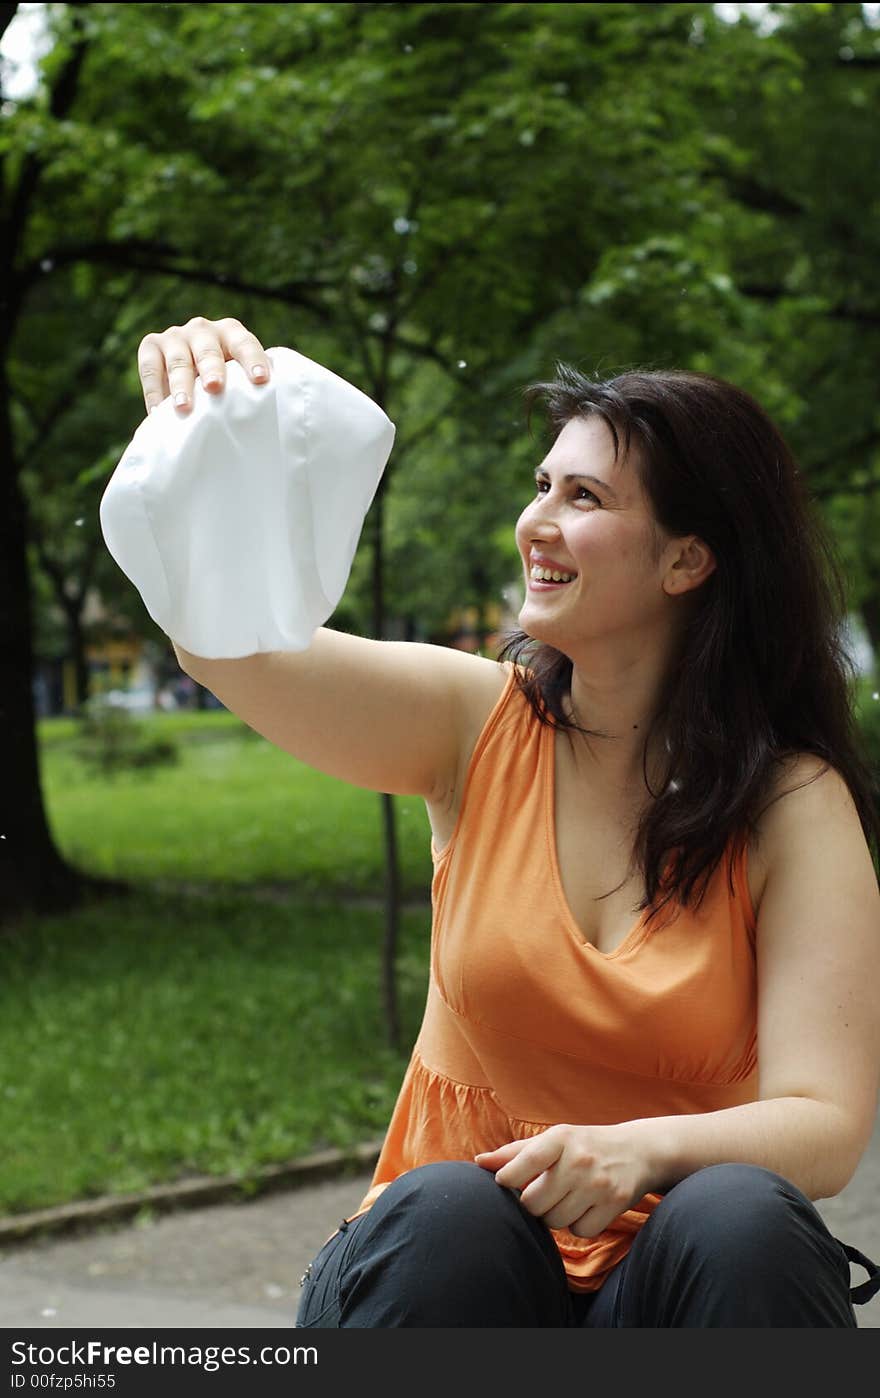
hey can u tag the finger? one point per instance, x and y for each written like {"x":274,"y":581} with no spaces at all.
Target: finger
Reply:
{"x":591,"y":1223}
{"x":538,"y":1155}
{"x":567,"y":1210}
{"x":151,"y":372}
{"x":205,"y":340}
{"x":494,"y":1159}
{"x":179,"y":366}
{"x":242,"y":344}
{"x":209,"y":361}
{"x":545,"y":1193}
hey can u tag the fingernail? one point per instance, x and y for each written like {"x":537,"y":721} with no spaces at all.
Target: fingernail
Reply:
{"x":180,"y":399}
{"x":212,"y":382}
{"x":258,"y":371}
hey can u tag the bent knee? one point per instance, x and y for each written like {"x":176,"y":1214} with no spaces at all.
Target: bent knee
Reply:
{"x":450,"y":1198}
{"x":734,"y":1186}
{"x":450,"y":1187}
{"x":740,"y":1207}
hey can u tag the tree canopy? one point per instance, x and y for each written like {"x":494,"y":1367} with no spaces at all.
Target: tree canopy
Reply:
{"x":439,"y":201}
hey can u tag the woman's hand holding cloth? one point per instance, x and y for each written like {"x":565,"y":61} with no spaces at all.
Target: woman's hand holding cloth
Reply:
{"x":238,"y":524}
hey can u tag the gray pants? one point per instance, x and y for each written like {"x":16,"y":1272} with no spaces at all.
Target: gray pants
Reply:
{"x":444,"y":1245}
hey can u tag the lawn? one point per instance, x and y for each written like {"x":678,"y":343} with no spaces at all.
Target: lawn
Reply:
{"x":148,"y":1040}
{"x":215,"y":1030}
{"x":235,"y":809}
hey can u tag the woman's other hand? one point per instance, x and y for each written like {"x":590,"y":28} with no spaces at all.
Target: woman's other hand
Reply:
{"x":168,"y":362}
{"x":575,"y":1177}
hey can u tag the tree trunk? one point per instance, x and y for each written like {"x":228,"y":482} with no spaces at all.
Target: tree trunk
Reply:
{"x":33,"y":875}
{"x":76,"y":648}
{"x":389,"y":814}
{"x":34,"y":878}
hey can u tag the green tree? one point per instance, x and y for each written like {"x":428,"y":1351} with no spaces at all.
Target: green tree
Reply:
{"x":438,"y":201}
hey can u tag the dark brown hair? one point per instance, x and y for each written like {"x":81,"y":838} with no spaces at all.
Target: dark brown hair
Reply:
{"x":763,"y":671}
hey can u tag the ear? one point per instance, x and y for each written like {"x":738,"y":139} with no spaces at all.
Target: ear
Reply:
{"x":692,"y":562}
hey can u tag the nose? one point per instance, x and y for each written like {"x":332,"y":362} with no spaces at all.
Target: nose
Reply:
{"x":538,"y":520}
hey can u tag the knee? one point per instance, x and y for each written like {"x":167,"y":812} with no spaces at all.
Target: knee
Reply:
{"x":737,"y":1245}
{"x":448,"y":1193}
{"x":735,"y":1189}
{"x":737,"y":1208}
{"x":445,"y":1245}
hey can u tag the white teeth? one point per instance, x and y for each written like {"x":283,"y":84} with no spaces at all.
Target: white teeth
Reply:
{"x":549,"y":575}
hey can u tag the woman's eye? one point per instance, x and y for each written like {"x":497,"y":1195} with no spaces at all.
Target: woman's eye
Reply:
{"x":581,"y":492}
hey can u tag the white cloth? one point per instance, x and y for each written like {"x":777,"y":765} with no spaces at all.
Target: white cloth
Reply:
{"x":238,"y":522}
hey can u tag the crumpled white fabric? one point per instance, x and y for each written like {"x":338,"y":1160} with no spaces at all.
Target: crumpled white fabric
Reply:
{"x":238,"y":522}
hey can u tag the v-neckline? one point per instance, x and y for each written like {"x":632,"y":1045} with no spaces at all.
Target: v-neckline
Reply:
{"x":638,"y":932}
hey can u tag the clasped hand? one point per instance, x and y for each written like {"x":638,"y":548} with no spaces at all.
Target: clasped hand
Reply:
{"x":574,"y":1177}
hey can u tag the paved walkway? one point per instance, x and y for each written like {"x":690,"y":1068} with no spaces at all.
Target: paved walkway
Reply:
{"x":238,"y":1265}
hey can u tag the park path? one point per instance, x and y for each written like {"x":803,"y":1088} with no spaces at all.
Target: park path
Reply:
{"x":238,"y":1265}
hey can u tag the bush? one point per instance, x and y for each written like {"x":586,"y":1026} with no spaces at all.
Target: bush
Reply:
{"x":869,"y":726}
{"x":109,"y":740}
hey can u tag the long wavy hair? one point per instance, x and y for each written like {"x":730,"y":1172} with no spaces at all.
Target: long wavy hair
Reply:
{"x":763,"y":672}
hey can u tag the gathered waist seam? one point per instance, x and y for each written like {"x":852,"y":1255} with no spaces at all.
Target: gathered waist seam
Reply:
{"x":574,"y":1058}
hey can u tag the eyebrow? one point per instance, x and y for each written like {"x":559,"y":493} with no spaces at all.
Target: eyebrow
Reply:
{"x":580,"y":476}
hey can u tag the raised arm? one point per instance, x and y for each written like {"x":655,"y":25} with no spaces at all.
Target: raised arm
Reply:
{"x":391,"y":716}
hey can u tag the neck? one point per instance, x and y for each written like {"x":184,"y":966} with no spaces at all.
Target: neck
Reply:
{"x":623,"y":714}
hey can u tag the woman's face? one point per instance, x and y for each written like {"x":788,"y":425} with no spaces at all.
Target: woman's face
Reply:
{"x":591,"y":522}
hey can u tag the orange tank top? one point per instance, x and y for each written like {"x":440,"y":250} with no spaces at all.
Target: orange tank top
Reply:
{"x":527,"y":1025}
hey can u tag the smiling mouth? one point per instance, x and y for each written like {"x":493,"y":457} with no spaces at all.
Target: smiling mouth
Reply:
{"x":550,"y":575}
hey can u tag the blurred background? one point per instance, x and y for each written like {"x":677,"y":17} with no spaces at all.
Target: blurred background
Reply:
{"x":213,"y":959}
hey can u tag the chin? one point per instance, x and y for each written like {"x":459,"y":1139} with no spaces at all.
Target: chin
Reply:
{"x":533,"y":627}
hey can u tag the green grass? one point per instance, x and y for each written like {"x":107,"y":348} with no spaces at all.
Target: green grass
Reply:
{"x":234,"y":810}
{"x":182,"y":723}
{"x":147,"y":1040}
{"x":174,"y":1033}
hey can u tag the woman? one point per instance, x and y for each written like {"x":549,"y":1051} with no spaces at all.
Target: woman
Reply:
{"x":652,"y":1032}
